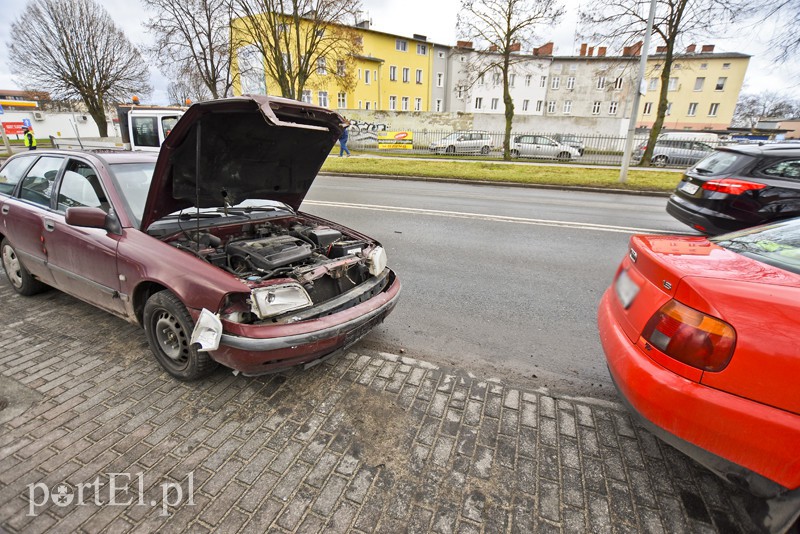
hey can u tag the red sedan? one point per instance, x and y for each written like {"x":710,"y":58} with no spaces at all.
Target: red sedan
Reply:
{"x":702,"y":340}
{"x":204,"y":246}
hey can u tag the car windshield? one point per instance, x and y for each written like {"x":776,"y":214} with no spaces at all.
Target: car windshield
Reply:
{"x":453,"y":137}
{"x":776,"y":244}
{"x":720,"y":162}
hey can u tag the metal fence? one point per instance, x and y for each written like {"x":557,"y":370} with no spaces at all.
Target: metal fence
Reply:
{"x":677,"y":151}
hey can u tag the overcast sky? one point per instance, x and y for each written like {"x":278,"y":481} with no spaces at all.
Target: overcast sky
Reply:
{"x":436,"y":20}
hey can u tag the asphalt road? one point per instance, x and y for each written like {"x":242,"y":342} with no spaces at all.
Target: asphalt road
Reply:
{"x":502,"y":280}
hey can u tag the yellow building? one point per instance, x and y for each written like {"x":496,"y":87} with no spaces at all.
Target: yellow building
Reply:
{"x":703,"y":89}
{"x":390,"y":73}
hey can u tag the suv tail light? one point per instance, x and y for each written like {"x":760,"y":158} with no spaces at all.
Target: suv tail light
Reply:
{"x":731,"y":186}
{"x":691,"y":336}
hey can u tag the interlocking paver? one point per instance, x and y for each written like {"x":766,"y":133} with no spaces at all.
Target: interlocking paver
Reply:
{"x":364,"y":442}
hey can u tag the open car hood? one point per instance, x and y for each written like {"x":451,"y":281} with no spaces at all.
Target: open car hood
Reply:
{"x":250,"y":147}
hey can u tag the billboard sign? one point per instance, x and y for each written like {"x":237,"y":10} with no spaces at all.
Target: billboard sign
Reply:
{"x":396,"y":140}
{"x":13,"y":128}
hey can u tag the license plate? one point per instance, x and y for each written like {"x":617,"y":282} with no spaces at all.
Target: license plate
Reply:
{"x":626,"y":289}
{"x":689,"y":188}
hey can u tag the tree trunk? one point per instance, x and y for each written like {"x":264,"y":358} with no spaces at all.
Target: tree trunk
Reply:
{"x":509,"y":111}
{"x":662,"y":106}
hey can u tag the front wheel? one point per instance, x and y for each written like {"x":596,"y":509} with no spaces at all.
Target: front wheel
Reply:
{"x":168,"y":327}
{"x":564,"y":156}
{"x":515,"y":153}
{"x":21,"y":280}
{"x":660,"y":161}
{"x":484,"y":150}
{"x":451,"y":150}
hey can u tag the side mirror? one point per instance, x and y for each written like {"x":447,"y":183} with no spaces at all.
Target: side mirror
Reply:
{"x":93,"y":218}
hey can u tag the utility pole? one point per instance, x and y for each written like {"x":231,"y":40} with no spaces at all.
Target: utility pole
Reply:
{"x":626,"y":157}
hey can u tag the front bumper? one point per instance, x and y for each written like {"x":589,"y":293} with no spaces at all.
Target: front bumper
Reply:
{"x":263,"y":352}
{"x":745,"y":442}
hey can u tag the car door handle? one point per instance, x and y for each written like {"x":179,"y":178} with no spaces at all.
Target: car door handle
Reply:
{"x":49,"y":225}
{"x":5,"y":210}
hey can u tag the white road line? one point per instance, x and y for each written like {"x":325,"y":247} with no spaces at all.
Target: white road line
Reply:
{"x":485,"y":217}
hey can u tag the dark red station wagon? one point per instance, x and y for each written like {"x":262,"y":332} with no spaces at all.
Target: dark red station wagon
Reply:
{"x":202,"y":245}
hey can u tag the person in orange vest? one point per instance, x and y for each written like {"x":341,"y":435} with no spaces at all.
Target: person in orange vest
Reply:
{"x":28,"y":137}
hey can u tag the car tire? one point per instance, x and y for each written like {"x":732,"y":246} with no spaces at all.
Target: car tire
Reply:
{"x":659,"y":161}
{"x":450,"y":150}
{"x":564,"y":156}
{"x":168,"y":327}
{"x":484,"y":150}
{"x":18,"y":276}
{"x":515,"y":153}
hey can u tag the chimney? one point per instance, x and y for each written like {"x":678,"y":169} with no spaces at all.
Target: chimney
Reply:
{"x":626,"y":51}
{"x":708,"y":48}
{"x":636,"y":49}
{"x":601,"y":51}
{"x":515,"y":47}
{"x":590,"y":51}
{"x":464,"y":44}
{"x":583,"y":49}
{"x":661,"y":50}
{"x":493,"y":48}
{"x":544,"y":50}
{"x":691,"y":48}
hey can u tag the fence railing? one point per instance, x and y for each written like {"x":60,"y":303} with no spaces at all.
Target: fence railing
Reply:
{"x":677,"y":151}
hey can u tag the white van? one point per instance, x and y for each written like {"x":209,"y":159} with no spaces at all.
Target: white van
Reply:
{"x":704,"y":137}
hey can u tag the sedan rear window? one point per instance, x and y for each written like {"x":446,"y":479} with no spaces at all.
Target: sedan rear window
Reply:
{"x":721,"y":162}
{"x":777,"y":244}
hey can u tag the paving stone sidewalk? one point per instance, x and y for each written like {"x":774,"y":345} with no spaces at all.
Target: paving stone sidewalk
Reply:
{"x":367,"y":442}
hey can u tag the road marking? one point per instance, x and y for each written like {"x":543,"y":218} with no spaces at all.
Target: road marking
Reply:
{"x":496,"y":218}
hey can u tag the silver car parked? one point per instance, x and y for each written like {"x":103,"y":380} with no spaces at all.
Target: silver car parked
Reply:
{"x":677,"y":152}
{"x":540,"y":146}
{"x":463,"y":143}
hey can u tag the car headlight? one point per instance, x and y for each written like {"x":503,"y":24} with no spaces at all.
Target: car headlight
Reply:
{"x":376,"y":261}
{"x":275,"y":300}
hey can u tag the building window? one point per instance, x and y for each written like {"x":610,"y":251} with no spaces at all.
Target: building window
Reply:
{"x":497,"y":78}
{"x":494,"y":103}
{"x":551,"y":106}
{"x":648,"y":108}
{"x":341,"y":100}
{"x":422,"y":49}
{"x":558,"y":68}
{"x":692,"y":109}
{"x":726,"y":66}
{"x":359,"y":104}
{"x":703,"y":66}
{"x":478,"y":103}
{"x":720,"y":84}
{"x":417,"y":104}
{"x":367,"y":105}
{"x":698,"y":84}
{"x":341,"y":67}
{"x":366,"y":77}
{"x":512,"y":79}
{"x":525,"y":105}
{"x":618,"y":83}
{"x":401,"y":45}
{"x":528,"y":80}
{"x":392,"y":73}
{"x":677,"y":66}
{"x":712,"y":111}
{"x":539,"y":104}
{"x":669,"y":108}
{"x":543,"y":81}
{"x":567,"y":107}
{"x":555,"y":82}
{"x":419,"y":75}
{"x":612,"y":108}
{"x":405,"y":74}
{"x":480,"y":79}
{"x":306,"y":96}
{"x":438,"y":104}
{"x":653,"y":85}
{"x":571,"y":82}
{"x":673,"y":84}
{"x":596,"y":108}
{"x":392,"y":103}
{"x":375,"y":75}
{"x":439,"y":79}
{"x":573,"y":67}
{"x":359,"y":74}
{"x":405,"y":103}
{"x":459,"y":92}
{"x":321,"y":69}
{"x":601,"y":82}
{"x":322,"y":97}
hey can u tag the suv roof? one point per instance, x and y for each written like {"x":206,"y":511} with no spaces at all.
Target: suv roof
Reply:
{"x":771,"y":149}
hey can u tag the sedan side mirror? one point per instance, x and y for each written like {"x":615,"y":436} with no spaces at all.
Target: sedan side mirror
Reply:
{"x":92,"y":218}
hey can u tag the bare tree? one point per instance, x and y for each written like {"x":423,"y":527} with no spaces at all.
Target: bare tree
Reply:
{"x":193,"y":35}
{"x":73,"y":49}
{"x":187,"y":85}
{"x":624,"y":22}
{"x":784,"y":16}
{"x":503,"y":27}
{"x":298,"y":38}
{"x":752,"y":108}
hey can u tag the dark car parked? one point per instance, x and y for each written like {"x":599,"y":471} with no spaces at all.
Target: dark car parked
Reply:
{"x":204,"y":246}
{"x":739,"y":186}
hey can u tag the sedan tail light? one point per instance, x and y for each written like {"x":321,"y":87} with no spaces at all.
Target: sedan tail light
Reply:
{"x":731,"y":186}
{"x":691,"y":336}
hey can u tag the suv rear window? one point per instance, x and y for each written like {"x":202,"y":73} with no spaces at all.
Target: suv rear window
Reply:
{"x":721,"y":162}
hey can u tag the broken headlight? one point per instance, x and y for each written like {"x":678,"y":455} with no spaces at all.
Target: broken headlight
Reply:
{"x":275,"y":300}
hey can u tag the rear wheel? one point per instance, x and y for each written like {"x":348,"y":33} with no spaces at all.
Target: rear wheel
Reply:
{"x":564,"y":156}
{"x":515,"y":153}
{"x":660,"y":161}
{"x":484,"y":150}
{"x":168,"y":327}
{"x":21,"y":280}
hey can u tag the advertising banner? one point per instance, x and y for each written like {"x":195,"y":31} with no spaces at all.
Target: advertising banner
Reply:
{"x":395,"y":140}
{"x":13,"y":128}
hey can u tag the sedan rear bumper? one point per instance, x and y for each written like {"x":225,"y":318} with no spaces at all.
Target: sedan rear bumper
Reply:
{"x":745,"y":442}
{"x":260,"y":355}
